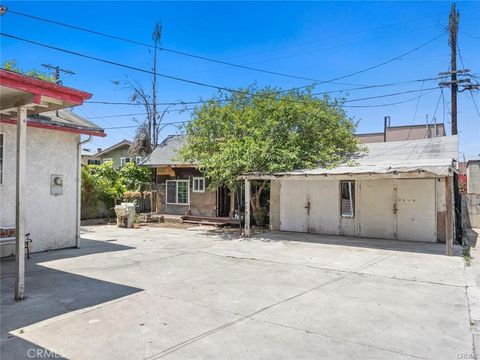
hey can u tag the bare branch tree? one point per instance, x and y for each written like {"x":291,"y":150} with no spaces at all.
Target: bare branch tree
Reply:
{"x":147,"y":134}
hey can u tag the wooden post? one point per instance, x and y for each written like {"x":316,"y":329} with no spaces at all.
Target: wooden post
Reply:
{"x":247,"y":207}
{"x":20,"y":203}
{"x":449,"y":215}
{"x":231,"y":213}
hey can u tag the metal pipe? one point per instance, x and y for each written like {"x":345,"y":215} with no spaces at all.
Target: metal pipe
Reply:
{"x":79,"y":188}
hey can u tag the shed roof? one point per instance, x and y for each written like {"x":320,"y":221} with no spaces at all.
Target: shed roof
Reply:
{"x":167,"y":153}
{"x":433,"y":155}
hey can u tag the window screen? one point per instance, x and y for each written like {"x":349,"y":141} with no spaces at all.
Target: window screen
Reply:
{"x":182,"y":192}
{"x":347,"y":201}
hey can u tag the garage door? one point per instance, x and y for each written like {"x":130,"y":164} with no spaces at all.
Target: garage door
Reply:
{"x":416,"y":218}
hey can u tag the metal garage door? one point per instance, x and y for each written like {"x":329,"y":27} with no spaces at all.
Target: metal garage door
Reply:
{"x":416,"y":215}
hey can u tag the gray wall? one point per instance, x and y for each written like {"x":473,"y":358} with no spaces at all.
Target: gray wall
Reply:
{"x":471,"y":210}
{"x":473,"y":177}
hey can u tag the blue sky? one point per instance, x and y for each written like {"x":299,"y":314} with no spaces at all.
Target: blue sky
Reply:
{"x":319,"y":40}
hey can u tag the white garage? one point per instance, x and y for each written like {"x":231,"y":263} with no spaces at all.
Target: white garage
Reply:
{"x":397,"y":190}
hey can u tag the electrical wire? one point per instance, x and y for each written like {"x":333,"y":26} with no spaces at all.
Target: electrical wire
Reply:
{"x":183,"y":53}
{"x":198,"y":83}
{"x":222,"y":100}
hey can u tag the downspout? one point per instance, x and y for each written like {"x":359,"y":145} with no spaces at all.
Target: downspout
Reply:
{"x":79,"y":188}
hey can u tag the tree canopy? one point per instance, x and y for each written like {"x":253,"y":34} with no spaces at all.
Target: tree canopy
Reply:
{"x":272,"y":131}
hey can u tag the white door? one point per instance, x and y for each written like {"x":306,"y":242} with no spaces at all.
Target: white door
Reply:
{"x":376,"y":201}
{"x":293,"y":205}
{"x":416,"y":215}
{"x":324,"y":201}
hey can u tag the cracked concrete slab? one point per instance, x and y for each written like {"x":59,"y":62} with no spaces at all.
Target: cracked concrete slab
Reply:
{"x":159,"y":292}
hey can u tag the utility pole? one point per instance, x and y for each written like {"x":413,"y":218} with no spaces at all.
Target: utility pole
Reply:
{"x":57,"y":72}
{"x":453,"y":29}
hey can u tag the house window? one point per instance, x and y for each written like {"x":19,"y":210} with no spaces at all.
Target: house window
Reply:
{"x":107,"y":159}
{"x":124,"y":160}
{"x":198,"y":184}
{"x":177,"y":192}
{"x":138,"y":159}
{"x":94,"y":162}
{"x":347,"y":201}
{"x":1,"y":158}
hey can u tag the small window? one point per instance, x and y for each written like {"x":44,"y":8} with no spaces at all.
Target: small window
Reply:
{"x":198,"y":184}
{"x":138,"y":159}
{"x":94,"y":162}
{"x":125,"y":160}
{"x":1,"y":158}
{"x":177,"y":192}
{"x":347,"y":201}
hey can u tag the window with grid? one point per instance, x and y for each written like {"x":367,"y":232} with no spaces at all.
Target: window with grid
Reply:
{"x":198,"y":184}
{"x":177,"y":192}
{"x":125,"y":160}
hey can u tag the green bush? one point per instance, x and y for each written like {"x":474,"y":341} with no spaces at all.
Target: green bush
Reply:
{"x":103,"y":183}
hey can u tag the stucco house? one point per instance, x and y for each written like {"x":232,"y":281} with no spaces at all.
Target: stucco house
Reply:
{"x":118,"y":154}
{"x":182,"y":189}
{"x":396,"y":190}
{"x":40,"y":166}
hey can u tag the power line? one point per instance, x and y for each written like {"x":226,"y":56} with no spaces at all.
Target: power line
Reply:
{"x":222,"y":100}
{"x":393,"y":94}
{"x":388,"y":104}
{"x":110,"y":62}
{"x":183,"y":53}
{"x":134,"y":114}
{"x":135,"y":126}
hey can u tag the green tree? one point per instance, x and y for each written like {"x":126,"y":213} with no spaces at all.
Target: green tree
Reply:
{"x":270,"y":132}
{"x":132,"y":176}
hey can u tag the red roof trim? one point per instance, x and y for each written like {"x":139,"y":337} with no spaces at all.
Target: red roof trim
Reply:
{"x":42,"y":87}
{"x":57,"y":128}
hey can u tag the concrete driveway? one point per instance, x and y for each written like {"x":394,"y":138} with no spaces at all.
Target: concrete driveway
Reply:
{"x":170,"y":293}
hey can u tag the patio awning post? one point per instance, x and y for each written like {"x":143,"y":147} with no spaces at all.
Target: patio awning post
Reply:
{"x":20,"y":203}
{"x":247,"y":207}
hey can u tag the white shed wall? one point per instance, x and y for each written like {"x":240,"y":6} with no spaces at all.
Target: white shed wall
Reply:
{"x":374,"y":208}
{"x":50,"y":219}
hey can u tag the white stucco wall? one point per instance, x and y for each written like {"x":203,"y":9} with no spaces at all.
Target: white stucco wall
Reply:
{"x":50,"y":219}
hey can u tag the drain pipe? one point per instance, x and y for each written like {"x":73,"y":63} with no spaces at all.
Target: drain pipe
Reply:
{"x":79,"y":188}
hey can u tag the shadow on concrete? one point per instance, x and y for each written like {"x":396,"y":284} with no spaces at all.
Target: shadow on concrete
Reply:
{"x":50,"y":293}
{"x":370,"y":243}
